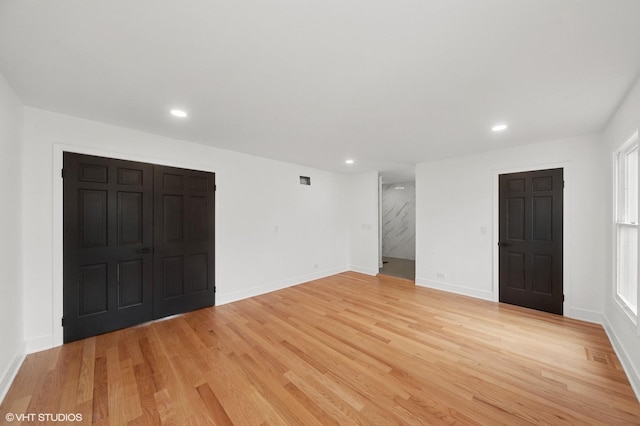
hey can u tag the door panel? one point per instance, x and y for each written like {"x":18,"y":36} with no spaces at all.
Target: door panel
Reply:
{"x":92,"y":281}
{"x":515,"y":230}
{"x":542,"y":274}
{"x":92,"y":210}
{"x":130,"y":218}
{"x":131,"y":285}
{"x":199,"y":277}
{"x":542,"y":216}
{"x":184,"y":240}
{"x":198,"y":218}
{"x":108,"y":216}
{"x":515,"y":268}
{"x":172,"y":277}
{"x":531,"y":214}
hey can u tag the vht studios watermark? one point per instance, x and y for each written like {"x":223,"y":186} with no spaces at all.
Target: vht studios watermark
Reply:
{"x":43,"y":417}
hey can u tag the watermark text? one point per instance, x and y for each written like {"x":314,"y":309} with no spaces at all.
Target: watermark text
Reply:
{"x":43,"y":417}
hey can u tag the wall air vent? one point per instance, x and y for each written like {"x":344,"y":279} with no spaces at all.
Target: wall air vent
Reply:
{"x":305,"y":180}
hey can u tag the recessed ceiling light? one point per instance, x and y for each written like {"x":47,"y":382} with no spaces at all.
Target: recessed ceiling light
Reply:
{"x":349,"y":161}
{"x":399,"y":187}
{"x":499,"y":127}
{"x":178,"y":113}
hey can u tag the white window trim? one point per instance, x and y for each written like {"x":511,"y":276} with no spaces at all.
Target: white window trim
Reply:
{"x":624,"y":147}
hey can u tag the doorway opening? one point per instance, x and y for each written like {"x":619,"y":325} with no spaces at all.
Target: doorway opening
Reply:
{"x":398,"y":233}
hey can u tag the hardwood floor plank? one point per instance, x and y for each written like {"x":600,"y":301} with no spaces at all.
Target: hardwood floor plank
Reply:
{"x":166,"y":407}
{"x":146,"y":393}
{"x":346,"y":349}
{"x":132,"y":406}
{"x":69,"y":377}
{"x":216,"y":409}
{"x":100,"y":391}
{"x":232,"y":389}
{"x":310,"y":405}
{"x":115,"y":388}
{"x":330,"y":403}
{"x":286,"y":406}
{"x":87,"y":370}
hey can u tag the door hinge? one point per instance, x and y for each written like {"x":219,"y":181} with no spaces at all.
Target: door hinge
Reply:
{"x":563,"y":297}
{"x":62,"y":173}
{"x":215,"y":187}
{"x":215,"y":289}
{"x":62,"y":321}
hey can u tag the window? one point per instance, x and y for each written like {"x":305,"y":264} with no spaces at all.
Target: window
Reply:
{"x":627,"y":225}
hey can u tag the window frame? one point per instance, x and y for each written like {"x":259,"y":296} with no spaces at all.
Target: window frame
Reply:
{"x":621,"y":220}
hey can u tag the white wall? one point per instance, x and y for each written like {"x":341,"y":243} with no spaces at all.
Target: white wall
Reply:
{"x":364,"y":223}
{"x":457,"y":202}
{"x":623,"y":333}
{"x":399,"y":220}
{"x":271,"y":232}
{"x":11,"y":288}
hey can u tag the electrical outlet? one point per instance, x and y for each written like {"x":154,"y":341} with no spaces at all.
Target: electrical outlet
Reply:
{"x":440,"y":275}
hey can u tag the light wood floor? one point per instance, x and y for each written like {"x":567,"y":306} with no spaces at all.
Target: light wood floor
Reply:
{"x":348,"y":349}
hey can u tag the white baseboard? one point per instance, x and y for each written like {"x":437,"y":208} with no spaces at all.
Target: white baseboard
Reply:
{"x":7,"y":378}
{"x":584,"y":315}
{"x":363,"y":270}
{"x":38,"y":344}
{"x":629,"y":368}
{"x":235,"y":296}
{"x":452,"y":288}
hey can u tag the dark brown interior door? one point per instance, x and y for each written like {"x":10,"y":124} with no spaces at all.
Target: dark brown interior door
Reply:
{"x":108,"y":235}
{"x":184,"y":240}
{"x":138,"y":243}
{"x":531,"y":214}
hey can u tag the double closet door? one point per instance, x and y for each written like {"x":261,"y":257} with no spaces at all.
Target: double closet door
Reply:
{"x":139,"y":243}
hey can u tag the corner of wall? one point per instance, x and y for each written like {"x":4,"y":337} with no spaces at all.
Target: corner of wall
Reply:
{"x":584,"y":315}
{"x":364,"y":270}
{"x":38,"y":344}
{"x":625,"y":359}
{"x":364,"y":228}
{"x":235,"y":296}
{"x":6,"y":380}
{"x":11,"y":224}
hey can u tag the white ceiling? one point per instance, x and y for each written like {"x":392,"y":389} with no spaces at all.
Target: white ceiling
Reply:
{"x":388,"y":83}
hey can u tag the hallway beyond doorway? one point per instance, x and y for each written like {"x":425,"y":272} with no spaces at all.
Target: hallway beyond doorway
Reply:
{"x":400,"y":268}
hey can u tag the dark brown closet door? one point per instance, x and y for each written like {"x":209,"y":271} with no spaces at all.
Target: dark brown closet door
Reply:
{"x":138,"y":243}
{"x":184,"y":240}
{"x":108,"y":239}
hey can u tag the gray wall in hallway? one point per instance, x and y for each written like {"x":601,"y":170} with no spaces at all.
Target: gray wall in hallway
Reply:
{"x":399,"y":220}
